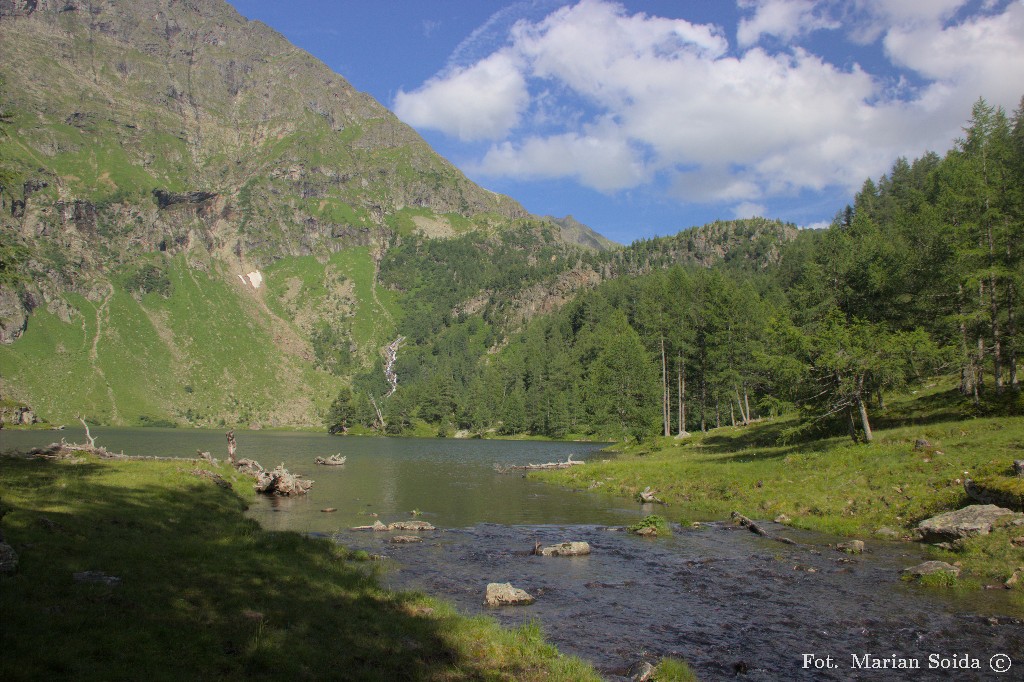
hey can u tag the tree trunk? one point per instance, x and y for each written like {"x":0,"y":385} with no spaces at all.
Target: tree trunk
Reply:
{"x":993,"y":310}
{"x":979,"y":358}
{"x":666,"y":407}
{"x":863,"y":407}
{"x":732,"y":414}
{"x":851,"y":427}
{"x":746,"y":403}
{"x":967,"y":365}
{"x":739,"y":403}
{"x":703,"y":407}
{"x":1011,"y":332}
{"x":682,"y":397}
{"x":380,"y":417}
{"x":232,"y":446}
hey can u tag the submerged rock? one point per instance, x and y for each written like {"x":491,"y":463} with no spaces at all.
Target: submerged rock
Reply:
{"x":976,"y":519}
{"x":503,"y":594}
{"x":851,"y":547}
{"x":405,"y":539}
{"x":411,"y":525}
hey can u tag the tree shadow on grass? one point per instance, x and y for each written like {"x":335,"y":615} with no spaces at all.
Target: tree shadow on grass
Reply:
{"x":202,"y":593}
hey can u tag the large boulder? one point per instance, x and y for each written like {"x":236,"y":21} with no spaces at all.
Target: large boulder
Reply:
{"x":931,"y":568}
{"x":503,"y":594}
{"x":566,"y":549}
{"x":976,"y":519}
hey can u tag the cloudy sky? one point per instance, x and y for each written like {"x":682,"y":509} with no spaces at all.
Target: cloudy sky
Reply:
{"x":645,"y":117}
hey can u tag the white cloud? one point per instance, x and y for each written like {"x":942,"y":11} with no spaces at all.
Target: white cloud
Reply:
{"x":615,"y":100}
{"x":599,"y":158}
{"x":481,"y":101}
{"x":982,"y":56}
{"x":784,"y":19}
{"x":749,"y":210}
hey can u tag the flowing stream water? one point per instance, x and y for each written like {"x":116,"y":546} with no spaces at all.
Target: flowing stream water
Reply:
{"x":731,"y":603}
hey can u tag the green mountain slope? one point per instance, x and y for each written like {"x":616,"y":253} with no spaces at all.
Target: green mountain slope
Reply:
{"x":183,"y":138}
{"x":208,"y":226}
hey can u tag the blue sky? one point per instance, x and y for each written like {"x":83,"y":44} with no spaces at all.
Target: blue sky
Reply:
{"x":645,"y":117}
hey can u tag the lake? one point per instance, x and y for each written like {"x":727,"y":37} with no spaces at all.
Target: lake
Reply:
{"x":728,"y":601}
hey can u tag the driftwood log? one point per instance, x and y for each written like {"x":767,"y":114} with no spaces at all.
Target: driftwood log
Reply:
{"x":280,"y":481}
{"x":569,"y":462}
{"x":333,"y":460}
{"x":649,"y":496}
{"x":749,"y":525}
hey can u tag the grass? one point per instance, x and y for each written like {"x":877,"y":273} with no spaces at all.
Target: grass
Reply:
{"x":206,"y":593}
{"x":832,"y":485}
{"x":654,"y":521}
{"x":210,"y":354}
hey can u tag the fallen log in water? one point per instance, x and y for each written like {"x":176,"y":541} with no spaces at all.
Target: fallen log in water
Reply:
{"x":748,"y":524}
{"x":569,"y":462}
{"x":333,"y":460}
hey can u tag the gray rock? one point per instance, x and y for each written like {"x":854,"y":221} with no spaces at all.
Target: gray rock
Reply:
{"x":405,"y":539}
{"x":851,"y":547}
{"x":98,"y":577}
{"x":503,"y":594}
{"x":641,"y":671}
{"x":886,"y":532}
{"x":930,"y":568}
{"x":976,"y":519}
{"x":8,"y":559}
{"x":411,"y":525}
{"x":567,"y":549}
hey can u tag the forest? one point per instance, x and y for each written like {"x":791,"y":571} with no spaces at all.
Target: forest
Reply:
{"x":920,"y":276}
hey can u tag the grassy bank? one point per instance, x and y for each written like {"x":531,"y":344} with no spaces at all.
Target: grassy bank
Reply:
{"x":832,"y":485}
{"x":204,"y":593}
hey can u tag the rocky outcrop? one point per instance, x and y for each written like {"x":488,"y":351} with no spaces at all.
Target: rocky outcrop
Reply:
{"x":968,"y":522}
{"x":13,"y":315}
{"x":1002,"y":491}
{"x":504,"y":594}
{"x":165,"y":199}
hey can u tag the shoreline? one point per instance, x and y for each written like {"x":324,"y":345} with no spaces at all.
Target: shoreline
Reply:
{"x":250,"y":598}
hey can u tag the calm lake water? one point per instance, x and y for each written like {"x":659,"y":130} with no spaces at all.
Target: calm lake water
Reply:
{"x":731,"y":603}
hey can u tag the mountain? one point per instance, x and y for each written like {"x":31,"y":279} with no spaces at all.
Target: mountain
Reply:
{"x":157,"y":153}
{"x":202,"y":224}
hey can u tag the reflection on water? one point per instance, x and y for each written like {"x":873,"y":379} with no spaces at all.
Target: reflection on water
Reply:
{"x":730,"y":602}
